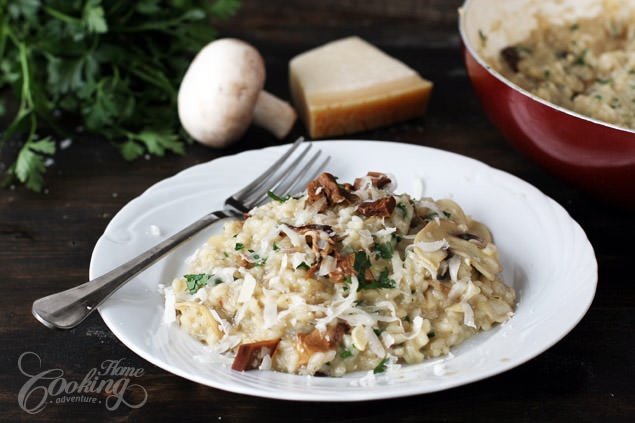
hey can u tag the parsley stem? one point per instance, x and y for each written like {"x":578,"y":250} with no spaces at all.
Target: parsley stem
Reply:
{"x":62,"y":16}
{"x":160,"y":82}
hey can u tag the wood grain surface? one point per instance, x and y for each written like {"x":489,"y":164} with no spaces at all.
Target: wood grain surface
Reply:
{"x":46,"y":242}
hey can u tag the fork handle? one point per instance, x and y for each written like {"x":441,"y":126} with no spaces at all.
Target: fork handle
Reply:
{"x":67,"y":309}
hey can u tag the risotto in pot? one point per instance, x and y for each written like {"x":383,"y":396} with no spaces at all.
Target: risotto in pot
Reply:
{"x":347,"y":277}
{"x":587,"y":66}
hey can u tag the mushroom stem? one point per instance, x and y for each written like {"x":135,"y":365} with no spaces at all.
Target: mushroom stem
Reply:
{"x":273,"y":114}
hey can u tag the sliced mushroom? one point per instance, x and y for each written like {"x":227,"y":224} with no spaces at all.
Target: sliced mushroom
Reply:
{"x":249,"y":356}
{"x":326,"y":189}
{"x":481,"y":230}
{"x":198,"y":321}
{"x":482,"y":255}
{"x":315,"y":341}
{"x":452,"y":210}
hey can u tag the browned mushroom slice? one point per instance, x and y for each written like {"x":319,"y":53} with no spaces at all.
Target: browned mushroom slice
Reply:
{"x":380,"y":208}
{"x":316,"y":341}
{"x":325,"y":188}
{"x":377,"y":179}
{"x":346,"y":268}
{"x":511,"y":57}
{"x":249,"y":356}
{"x":481,"y":254}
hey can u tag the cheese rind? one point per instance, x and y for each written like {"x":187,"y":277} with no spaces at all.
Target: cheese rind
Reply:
{"x":349,"y":85}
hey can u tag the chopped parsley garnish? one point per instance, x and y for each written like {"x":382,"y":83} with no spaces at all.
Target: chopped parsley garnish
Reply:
{"x":483,"y":37}
{"x":574,"y":27}
{"x":275,"y":247}
{"x":581,"y":59}
{"x":260,"y":261}
{"x":598,"y":97}
{"x":381,"y":367}
{"x":433,"y":215}
{"x":404,"y":210}
{"x":303,"y":265}
{"x":234,"y":236}
{"x":397,"y":237}
{"x":604,"y":81}
{"x":196,"y":282}
{"x":360,"y":265}
{"x":239,"y":246}
{"x":547,"y":74}
{"x":225,"y":254}
{"x":385,"y":250}
{"x":407,"y":319}
{"x":382,"y":282}
{"x":346,"y":353}
{"x":431,"y":335}
{"x":378,"y":331}
{"x":273,"y":196}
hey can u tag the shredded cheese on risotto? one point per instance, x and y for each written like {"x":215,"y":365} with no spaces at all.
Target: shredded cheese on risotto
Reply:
{"x":347,"y":277}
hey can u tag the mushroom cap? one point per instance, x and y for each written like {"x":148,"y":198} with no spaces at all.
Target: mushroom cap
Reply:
{"x":461,"y":240}
{"x":219,"y":91}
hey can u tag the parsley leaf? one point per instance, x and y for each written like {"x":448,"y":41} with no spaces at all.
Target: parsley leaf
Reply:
{"x":303,"y":265}
{"x":381,"y":367}
{"x":385,"y":250}
{"x":94,"y":17}
{"x":273,"y":196}
{"x":30,"y":167}
{"x":196,"y":282}
{"x":239,"y":246}
{"x":382,"y":282}
{"x":360,"y":265}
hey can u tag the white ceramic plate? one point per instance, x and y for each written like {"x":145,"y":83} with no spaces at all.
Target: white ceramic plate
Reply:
{"x":546,"y":257}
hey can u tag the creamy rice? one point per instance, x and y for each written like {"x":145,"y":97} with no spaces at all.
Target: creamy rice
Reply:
{"x":587,"y":66}
{"x":345,"y":278}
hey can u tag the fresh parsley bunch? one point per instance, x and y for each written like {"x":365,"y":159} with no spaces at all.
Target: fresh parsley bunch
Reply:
{"x":114,"y":64}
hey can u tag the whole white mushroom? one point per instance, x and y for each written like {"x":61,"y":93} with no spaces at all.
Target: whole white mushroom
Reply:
{"x":221,"y":93}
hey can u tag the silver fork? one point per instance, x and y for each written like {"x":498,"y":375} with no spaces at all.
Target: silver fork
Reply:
{"x":67,"y":309}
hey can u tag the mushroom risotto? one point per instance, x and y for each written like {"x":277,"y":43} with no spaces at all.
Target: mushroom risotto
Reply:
{"x":587,"y":66}
{"x":344,"y":278}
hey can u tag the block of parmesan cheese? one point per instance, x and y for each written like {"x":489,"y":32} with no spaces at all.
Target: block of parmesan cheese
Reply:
{"x":349,"y":85}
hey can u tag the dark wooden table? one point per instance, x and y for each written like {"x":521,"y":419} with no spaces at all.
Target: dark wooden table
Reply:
{"x":46,"y":242}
